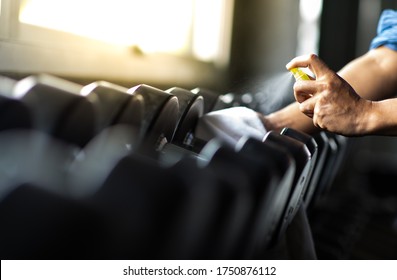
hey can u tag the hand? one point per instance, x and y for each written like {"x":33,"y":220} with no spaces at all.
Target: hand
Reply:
{"x":328,"y":99}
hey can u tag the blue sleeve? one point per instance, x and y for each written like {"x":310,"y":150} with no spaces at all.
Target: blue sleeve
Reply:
{"x":386,"y":31}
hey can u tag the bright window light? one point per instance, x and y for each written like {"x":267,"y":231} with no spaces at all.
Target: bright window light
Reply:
{"x":174,"y":26}
{"x":309,"y":27}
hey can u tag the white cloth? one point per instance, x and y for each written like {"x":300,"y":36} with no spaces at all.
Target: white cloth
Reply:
{"x":230,"y":125}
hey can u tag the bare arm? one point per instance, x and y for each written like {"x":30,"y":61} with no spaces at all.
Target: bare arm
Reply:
{"x":373,"y":76}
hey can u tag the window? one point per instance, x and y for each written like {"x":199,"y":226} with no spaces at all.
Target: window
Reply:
{"x":178,"y":42}
{"x":194,"y":28}
{"x":309,"y":27}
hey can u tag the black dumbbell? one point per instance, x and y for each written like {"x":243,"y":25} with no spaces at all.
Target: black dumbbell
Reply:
{"x":302,"y":158}
{"x":214,"y":101}
{"x":31,"y":156}
{"x":191,"y":108}
{"x":87,"y":172}
{"x":233,"y":223}
{"x":13,"y":113}
{"x":323,"y":151}
{"x":160,"y":116}
{"x":116,"y":139}
{"x":114,"y":104}
{"x":267,"y":181}
{"x":57,"y":107}
{"x":285,"y":169}
{"x":313,"y":149}
{"x":39,"y":224}
{"x":213,"y":210}
{"x":342,"y":143}
{"x":337,"y":150}
{"x":147,"y":207}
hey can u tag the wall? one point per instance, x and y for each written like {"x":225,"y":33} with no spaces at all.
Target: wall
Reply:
{"x":264,"y":39}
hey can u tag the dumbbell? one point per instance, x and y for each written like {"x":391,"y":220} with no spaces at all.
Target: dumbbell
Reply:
{"x":34,"y":157}
{"x":342,"y":144}
{"x":87,"y":172}
{"x":160,"y":117}
{"x":313,"y":149}
{"x":214,"y":101}
{"x":212,"y":213}
{"x":302,"y":176}
{"x":57,"y":107}
{"x":40,"y":224}
{"x":115,"y":105}
{"x":337,"y":150}
{"x":284,"y":169}
{"x":233,"y":222}
{"x":137,"y":120}
{"x":266,"y":173}
{"x":191,"y":108}
{"x":13,"y":113}
{"x":147,"y":207}
{"x":40,"y":220}
{"x":323,"y":151}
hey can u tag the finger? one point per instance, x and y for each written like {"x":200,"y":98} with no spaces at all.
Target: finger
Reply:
{"x":316,"y":121}
{"x":302,"y":96}
{"x":307,"y":107}
{"x":312,"y":61}
{"x":304,"y":90}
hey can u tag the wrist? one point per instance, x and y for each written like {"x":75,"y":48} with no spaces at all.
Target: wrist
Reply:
{"x":371,"y":120}
{"x":382,"y":117}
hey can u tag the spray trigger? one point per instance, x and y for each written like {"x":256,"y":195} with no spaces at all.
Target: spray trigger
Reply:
{"x":299,"y":74}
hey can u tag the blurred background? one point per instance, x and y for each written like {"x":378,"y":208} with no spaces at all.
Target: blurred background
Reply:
{"x":229,"y":46}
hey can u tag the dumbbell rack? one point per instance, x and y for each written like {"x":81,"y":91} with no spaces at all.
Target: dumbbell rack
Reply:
{"x":100,"y":171}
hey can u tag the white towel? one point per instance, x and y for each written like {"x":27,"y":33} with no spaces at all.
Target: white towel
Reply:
{"x":230,"y":125}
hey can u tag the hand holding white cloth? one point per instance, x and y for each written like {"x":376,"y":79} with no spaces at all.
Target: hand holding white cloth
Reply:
{"x":230,"y":125}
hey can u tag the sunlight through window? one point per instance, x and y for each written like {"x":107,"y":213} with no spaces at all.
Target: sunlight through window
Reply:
{"x":184,"y":27}
{"x":309,"y":27}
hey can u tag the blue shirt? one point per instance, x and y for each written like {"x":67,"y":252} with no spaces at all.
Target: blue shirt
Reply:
{"x":386,"y":31}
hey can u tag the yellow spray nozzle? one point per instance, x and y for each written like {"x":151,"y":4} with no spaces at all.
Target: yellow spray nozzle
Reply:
{"x":299,"y":74}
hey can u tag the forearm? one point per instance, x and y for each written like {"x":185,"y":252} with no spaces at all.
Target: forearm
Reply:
{"x":289,"y":116}
{"x":373,"y":75}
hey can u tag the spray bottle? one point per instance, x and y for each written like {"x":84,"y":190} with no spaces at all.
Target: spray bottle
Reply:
{"x":299,"y":74}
